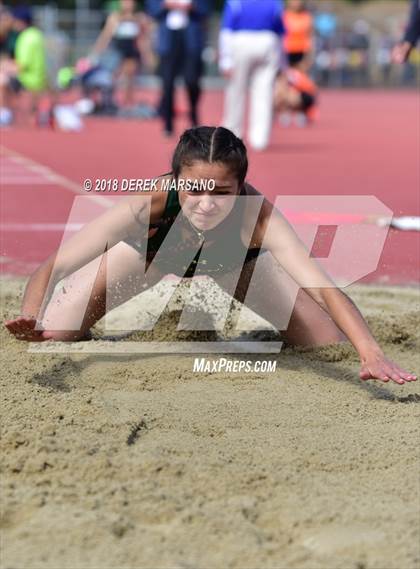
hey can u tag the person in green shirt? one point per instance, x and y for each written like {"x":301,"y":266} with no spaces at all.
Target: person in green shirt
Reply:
{"x":29,"y":52}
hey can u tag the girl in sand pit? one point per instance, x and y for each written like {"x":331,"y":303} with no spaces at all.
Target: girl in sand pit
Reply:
{"x":231,"y":241}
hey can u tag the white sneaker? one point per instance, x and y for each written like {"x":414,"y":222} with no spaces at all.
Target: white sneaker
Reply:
{"x":404,"y":223}
{"x":67,"y":118}
{"x":6,"y":116}
{"x":301,"y":120}
{"x":285,"y":119}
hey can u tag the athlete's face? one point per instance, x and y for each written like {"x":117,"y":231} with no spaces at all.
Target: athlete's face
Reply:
{"x":206,"y":209}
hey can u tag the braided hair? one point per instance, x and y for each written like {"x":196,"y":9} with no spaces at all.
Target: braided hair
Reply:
{"x":211,"y":144}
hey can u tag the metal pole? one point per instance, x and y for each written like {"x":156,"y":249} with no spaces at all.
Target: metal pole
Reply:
{"x":82,"y":25}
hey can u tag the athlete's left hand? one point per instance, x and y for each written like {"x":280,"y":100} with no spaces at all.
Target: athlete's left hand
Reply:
{"x":378,"y":366}
{"x":26,"y":328}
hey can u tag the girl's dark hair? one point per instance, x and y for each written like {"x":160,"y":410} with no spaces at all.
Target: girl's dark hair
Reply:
{"x":211,"y":144}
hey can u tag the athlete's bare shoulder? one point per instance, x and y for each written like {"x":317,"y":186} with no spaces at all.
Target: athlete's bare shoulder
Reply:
{"x":265,"y":207}
{"x":256,"y":224}
{"x":112,"y":20}
{"x":255,"y":212}
{"x":149,"y":207}
{"x":249,"y":190}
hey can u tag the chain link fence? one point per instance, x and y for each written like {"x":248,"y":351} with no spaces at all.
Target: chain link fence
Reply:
{"x":356,"y":54}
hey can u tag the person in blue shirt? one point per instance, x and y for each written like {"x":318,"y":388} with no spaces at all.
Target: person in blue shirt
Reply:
{"x":181,"y":34}
{"x":250,"y":56}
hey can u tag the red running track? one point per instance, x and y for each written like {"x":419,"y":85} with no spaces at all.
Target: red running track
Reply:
{"x":365,"y":143}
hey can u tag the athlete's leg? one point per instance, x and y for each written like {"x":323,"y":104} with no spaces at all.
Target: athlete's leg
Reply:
{"x":86,"y":295}
{"x":271,"y":293}
{"x":286,"y":98}
{"x":192,"y":73}
{"x":170,"y":66}
{"x":261,"y":93}
{"x":237,"y":87}
{"x":128,"y":71}
{"x":280,"y":93}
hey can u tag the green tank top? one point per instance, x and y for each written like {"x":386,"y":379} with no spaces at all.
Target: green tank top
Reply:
{"x":226,"y":253}
{"x":172,"y":209}
{"x":31,"y":58}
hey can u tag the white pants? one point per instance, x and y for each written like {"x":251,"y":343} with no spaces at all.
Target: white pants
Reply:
{"x":256,"y":57}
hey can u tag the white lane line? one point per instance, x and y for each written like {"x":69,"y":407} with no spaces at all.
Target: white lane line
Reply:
{"x":41,"y":226}
{"x":9,"y":169}
{"x":16,"y":263}
{"x":13,"y":172}
{"x":115,"y":347}
{"x":32,"y":170}
{"x":25,"y":181}
{"x":52,"y":175}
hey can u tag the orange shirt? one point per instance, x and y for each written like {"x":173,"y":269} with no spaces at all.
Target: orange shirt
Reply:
{"x":298,"y":36}
{"x":300,"y":81}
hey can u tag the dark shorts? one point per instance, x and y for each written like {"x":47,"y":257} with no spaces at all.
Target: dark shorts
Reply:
{"x":127,"y":49}
{"x":308,"y":100}
{"x":295,"y":58}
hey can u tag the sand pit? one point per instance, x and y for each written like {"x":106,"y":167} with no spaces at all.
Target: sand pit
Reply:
{"x":135,"y":461}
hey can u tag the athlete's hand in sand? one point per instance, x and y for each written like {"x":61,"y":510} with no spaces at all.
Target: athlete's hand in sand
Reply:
{"x":378,"y":366}
{"x":23,"y":328}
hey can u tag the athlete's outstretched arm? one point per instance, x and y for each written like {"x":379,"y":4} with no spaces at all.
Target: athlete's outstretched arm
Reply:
{"x":285,"y":246}
{"x":89,"y":243}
